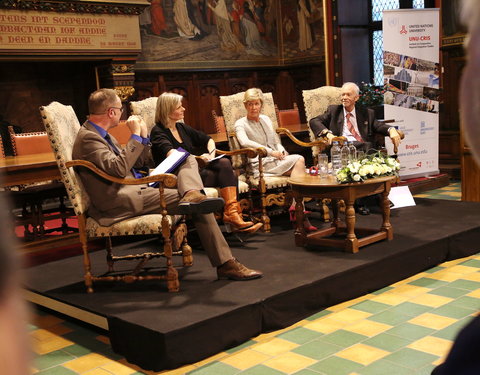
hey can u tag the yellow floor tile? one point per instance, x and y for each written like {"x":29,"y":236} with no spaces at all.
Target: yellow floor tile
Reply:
{"x":362,"y":353}
{"x":245,"y":359}
{"x":48,"y":346}
{"x":368,"y":328}
{"x":325,"y":325}
{"x":43,"y":335}
{"x":87,"y":362}
{"x":472,"y":276}
{"x":350,"y":316}
{"x":432,"y":321}
{"x":463,"y":270}
{"x":390,"y":299}
{"x":289,"y":363}
{"x":446,"y":275}
{"x":347,"y":304}
{"x":432,"y":345}
{"x":97,"y":371}
{"x":431,"y":300}
{"x":118,"y":368}
{"x":274,"y":347}
{"x":409,"y":291}
{"x":474,"y":294}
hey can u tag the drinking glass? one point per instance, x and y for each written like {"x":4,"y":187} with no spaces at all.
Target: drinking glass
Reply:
{"x":322,"y":164}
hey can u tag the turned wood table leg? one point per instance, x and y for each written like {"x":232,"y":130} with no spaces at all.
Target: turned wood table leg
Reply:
{"x":386,"y":226}
{"x":351,"y":239}
{"x":300,"y":233}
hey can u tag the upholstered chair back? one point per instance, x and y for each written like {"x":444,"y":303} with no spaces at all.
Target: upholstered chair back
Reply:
{"x":29,"y":143}
{"x":146,"y":109}
{"x":62,"y":126}
{"x":233,"y":109}
{"x":316,"y":102}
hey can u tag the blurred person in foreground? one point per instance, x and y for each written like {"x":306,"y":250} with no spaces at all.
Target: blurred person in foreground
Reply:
{"x":463,"y":358}
{"x":15,"y":352}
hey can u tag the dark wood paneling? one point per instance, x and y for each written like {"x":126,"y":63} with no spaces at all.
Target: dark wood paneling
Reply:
{"x":202,"y":90}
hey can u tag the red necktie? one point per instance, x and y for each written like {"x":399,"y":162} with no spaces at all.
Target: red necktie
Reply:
{"x":352,"y":130}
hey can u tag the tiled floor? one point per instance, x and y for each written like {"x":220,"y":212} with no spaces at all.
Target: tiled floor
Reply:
{"x":406,"y":328}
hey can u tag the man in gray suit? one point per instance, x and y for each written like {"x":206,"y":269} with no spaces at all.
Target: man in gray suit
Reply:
{"x":111,"y":202}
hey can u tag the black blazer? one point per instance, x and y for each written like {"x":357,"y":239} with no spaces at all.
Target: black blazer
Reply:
{"x":333,"y":119}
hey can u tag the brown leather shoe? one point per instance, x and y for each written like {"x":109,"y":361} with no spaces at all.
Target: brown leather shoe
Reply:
{"x":194,"y":202}
{"x":234,"y":270}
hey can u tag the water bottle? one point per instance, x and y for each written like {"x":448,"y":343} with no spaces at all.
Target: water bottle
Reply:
{"x":335,"y":157}
{"x":345,"y":154}
{"x":352,"y":151}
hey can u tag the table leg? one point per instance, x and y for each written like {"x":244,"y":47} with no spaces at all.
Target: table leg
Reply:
{"x":300,"y":233}
{"x":385,"y":203}
{"x":351,"y":241}
{"x":335,"y":219}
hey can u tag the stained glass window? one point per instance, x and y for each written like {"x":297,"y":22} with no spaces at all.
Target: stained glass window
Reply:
{"x":378,"y":6}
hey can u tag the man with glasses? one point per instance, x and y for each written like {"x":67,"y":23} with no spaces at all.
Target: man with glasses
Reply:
{"x":112,"y":202}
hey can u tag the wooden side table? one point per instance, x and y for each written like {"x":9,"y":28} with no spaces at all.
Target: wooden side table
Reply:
{"x":317,"y":187}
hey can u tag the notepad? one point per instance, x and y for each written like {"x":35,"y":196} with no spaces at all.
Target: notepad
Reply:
{"x":171,"y":163}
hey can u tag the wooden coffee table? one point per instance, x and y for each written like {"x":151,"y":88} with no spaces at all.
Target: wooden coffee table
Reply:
{"x":317,"y":187}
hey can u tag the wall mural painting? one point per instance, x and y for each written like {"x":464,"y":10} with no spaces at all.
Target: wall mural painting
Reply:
{"x":229,"y":33}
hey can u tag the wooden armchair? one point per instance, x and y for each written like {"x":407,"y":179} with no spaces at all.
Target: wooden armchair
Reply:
{"x":219,"y":122}
{"x":287,"y":117}
{"x":62,"y":127}
{"x":272,"y":190}
{"x":37,"y":195}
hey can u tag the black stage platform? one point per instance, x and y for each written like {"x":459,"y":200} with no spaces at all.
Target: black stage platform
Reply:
{"x":157,"y":330}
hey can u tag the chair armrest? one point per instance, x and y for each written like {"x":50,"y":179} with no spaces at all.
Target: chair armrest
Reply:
{"x":166,"y":179}
{"x":249,"y":152}
{"x":320,"y":143}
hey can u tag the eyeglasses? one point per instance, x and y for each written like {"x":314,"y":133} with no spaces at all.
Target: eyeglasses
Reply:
{"x":120,"y":108}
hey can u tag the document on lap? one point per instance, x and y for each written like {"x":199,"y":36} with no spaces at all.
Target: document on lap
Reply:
{"x":171,"y":163}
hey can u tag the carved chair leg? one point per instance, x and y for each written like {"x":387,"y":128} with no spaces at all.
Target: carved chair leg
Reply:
{"x":108,"y":248}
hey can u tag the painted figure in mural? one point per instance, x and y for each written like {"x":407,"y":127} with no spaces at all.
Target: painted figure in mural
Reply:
{"x":304,"y":10}
{"x":270,"y":15}
{"x":255,"y":44}
{"x":228,"y":40}
{"x":186,"y":26}
{"x":236,"y":14}
{"x":158,"y":24}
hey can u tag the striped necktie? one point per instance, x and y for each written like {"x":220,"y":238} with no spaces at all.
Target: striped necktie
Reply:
{"x":352,"y":129}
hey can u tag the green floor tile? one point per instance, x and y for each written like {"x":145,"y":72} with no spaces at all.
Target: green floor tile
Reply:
{"x":372,"y":307}
{"x":467,"y":302}
{"x":451,"y":332}
{"x":383,"y":290}
{"x":453,"y":311}
{"x":319,"y":315}
{"x":434,"y":269}
{"x":390,"y":317}
{"x":411,"y":309}
{"x":300,"y":335}
{"x":77,"y":350}
{"x":59,"y":370}
{"x":410,"y":331}
{"x":410,"y":358}
{"x":215,"y":368}
{"x":465,"y":284}
{"x":343,"y":338}
{"x":317,"y":349}
{"x":387,"y":342}
{"x":336,"y":366}
{"x":471,"y":263}
{"x":426,"y":282}
{"x":382,"y":367}
{"x":306,"y":372}
{"x":447,"y":291}
{"x":241,"y":346}
{"x":257,"y":370}
{"x":426,"y":370}
{"x":52,"y":359}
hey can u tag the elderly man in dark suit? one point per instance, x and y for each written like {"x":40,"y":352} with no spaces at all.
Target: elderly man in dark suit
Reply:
{"x":354,"y":122}
{"x":111,"y":202}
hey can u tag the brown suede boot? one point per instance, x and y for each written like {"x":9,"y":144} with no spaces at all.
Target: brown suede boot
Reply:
{"x":231,"y":216}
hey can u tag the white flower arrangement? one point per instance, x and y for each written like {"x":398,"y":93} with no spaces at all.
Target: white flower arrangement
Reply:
{"x":372,"y":166}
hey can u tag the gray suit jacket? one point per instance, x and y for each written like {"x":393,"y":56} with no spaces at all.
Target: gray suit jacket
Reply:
{"x":333,"y":119}
{"x":110,"y":202}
